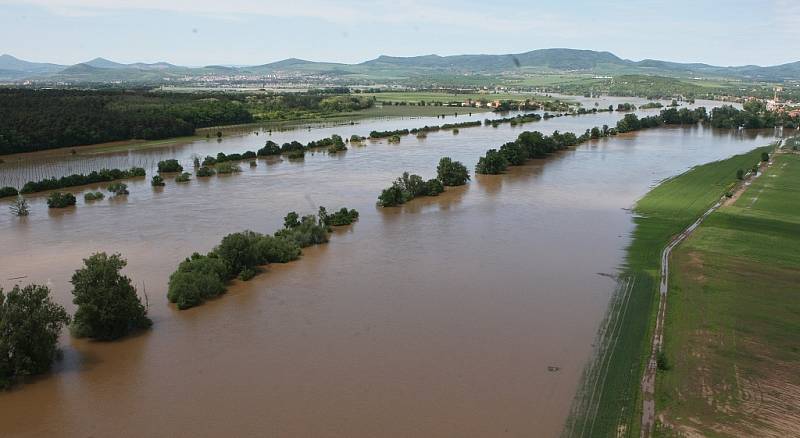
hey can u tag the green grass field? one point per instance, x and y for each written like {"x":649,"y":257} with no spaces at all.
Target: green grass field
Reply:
{"x":732,"y":332}
{"x":609,"y":403}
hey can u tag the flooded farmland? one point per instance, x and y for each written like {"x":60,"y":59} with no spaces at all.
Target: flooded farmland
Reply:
{"x":469,"y":314}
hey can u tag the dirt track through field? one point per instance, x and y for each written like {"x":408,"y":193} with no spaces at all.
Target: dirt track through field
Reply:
{"x":649,"y":376}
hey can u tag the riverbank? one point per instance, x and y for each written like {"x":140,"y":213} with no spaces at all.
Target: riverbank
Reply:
{"x":731,"y":331}
{"x":610,"y":401}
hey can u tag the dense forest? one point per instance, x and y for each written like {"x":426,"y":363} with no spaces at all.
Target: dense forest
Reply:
{"x":32,"y":120}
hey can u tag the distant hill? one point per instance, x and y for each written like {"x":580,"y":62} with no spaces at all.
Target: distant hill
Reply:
{"x":10,"y":64}
{"x":393,"y":67}
{"x":103,"y":63}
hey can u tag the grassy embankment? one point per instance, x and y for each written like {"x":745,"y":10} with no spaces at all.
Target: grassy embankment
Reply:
{"x":609,"y":403}
{"x":732,"y":332}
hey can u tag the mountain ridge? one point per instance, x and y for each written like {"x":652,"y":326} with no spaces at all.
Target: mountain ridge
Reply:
{"x":539,"y":60}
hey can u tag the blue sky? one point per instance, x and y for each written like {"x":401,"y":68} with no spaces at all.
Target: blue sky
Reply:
{"x":201,"y":32}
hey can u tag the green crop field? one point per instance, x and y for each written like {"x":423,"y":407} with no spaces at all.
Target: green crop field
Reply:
{"x":609,"y":403}
{"x":733,"y":317}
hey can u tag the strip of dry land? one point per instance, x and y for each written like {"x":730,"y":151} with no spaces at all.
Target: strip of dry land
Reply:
{"x":731,"y":336}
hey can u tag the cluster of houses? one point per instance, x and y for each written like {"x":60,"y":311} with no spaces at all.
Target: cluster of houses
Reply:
{"x":481,"y":103}
{"x":791,"y":109}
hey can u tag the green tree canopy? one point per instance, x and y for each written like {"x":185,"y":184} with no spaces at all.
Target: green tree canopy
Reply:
{"x":30,"y":324}
{"x":108,"y":306}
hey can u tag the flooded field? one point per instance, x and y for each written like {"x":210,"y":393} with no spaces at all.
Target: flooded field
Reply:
{"x":469,"y":314}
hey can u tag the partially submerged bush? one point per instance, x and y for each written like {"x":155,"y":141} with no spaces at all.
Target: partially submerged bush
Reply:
{"x":93,"y":196}
{"x":227,"y":168}
{"x":492,"y":163}
{"x":157,"y":181}
{"x":184,"y":177}
{"x":336,"y":144}
{"x":239,"y":255}
{"x":452,"y":173}
{"x":197,"y":279}
{"x":392,"y":196}
{"x":104,"y":175}
{"x":277,"y":250}
{"x":169,"y":166}
{"x":60,"y":200}
{"x":204,"y":172}
{"x":108,"y":306}
{"x":306,"y":233}
{"x":118,"y":189}
{"x":270,"y":148}
{"x":408,"y":187}
{"x":341,"y":217}
{"x":30,"y":323}
{"x":297,"y":155}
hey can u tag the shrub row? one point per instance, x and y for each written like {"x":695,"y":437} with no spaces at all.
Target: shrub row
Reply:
{"x":60,"y":200}
{"x":8,"y":191}
{"x":169,"y":166}
{"x":103,"y":175}
{"x":408,"y":187}
{"x":516,"y":120}
{"x":239,"y":255}
{"x":534,"y":144}
{"x":424,"y":129}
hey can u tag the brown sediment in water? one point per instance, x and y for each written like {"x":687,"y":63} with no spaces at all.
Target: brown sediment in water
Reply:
{"x":437,"y":318}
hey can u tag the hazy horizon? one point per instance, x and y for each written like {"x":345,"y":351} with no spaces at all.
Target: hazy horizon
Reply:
{"x":249,"y":32}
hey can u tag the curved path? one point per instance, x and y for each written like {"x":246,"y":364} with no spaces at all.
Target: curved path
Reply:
{"x":649,"y":377}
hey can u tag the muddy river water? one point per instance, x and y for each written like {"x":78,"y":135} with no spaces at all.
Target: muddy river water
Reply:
{"x":439,"y":318}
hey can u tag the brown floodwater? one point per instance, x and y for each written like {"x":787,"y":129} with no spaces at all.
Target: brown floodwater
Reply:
{"x":438,"y":318}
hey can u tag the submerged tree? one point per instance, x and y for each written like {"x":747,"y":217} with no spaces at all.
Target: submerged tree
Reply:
{"x":492,"y":163}
{"x":118,"y":189}
{"x":60,"y":200}
{"x":452,"y":173}
{"x":30,"y":324}
{"x":19,"y":207}
{"x":108,"y":306}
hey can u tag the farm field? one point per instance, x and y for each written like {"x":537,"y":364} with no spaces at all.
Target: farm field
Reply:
{"x":732,"y":317}
{"x":609,"y":401}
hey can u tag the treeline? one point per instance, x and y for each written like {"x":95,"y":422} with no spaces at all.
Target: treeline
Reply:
{"x":104,"y":175}
{"x":294,"y":149}
{"x":239,"y":255}
{"x":530,"y":145}
{"x":516,"y":120}
{"x":753,"y":115}
{"x":424,"y":129}
{"x":531,"y":105}
{"x":290,"y":106}
{"x":108,"y":308}
{"x":32,"y":120}
{"x":408,"y":187}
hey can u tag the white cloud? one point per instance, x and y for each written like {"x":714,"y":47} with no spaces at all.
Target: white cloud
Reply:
{"x":399,"y":12}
